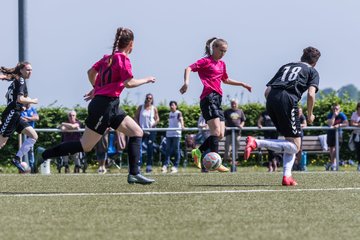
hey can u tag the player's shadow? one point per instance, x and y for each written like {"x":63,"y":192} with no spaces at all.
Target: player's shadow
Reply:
{"x":234,"y":185}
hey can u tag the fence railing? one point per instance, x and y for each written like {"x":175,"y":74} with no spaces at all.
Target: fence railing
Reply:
{"x":233,"y":129}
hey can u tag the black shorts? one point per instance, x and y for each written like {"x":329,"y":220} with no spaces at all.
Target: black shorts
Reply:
{"x":331,"y":138}
{"x":104,"y":112}
{"x":284,"y":113}
{"x":211,"y":107}
{"x":11,"y":121}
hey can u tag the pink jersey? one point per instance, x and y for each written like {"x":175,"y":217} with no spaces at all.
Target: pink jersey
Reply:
{"x":211,"y":74}
{"x":110,"y":80}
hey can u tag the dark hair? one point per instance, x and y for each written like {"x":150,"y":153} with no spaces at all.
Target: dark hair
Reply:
{"x":13,"y":73}
{"x":358,"y":105}
{"x":147,"y":95}
{"x":123,"y":37}
{"x":172,"y":102}
{"x":310,"y":55}
{"x":215,"y":42}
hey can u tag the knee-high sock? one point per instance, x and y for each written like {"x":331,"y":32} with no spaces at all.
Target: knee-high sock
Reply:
{"x":134,"y":154}
{"x":288,"y":162}
{"x":25,"y":147}
{"x":63,"y":149}
{"x":276,"y":145}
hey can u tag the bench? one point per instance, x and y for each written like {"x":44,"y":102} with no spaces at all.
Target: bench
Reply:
{"x":310,"y":144}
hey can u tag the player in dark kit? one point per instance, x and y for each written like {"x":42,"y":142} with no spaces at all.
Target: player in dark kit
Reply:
{"x":17,"y":97}
{"x":109,"y":76}
{"x":282,"y":95}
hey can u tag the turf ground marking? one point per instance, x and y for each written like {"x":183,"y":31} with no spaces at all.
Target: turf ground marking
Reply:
{"x":4,"y":194}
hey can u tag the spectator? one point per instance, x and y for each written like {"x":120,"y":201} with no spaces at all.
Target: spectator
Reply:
{"x":297,"y":166}
{"x":234,"y":117}
{"x":173,"y":138}
{"x":355,"y":122}
{"x":203,"y":130}
{"x":30,"y":116}
{"x":335,"y":119}
{"x":72,"y":124}
{"x":101,"y":150}
{"x":273,"y":158}
{"x":147,"y":116}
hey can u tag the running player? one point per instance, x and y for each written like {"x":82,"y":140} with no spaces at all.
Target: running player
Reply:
{"x":11,"y":121}
{"x":109,"y":76}
{"x":212,"y":71}
{"x":282,"y":95}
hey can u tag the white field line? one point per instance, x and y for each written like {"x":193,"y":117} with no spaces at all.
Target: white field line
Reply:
{"x":175,"y":193}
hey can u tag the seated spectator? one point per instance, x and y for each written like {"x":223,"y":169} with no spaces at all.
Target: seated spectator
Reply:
{"x":355,"y":122}
{"x":72,"y":124}
{"x":273,"y":158}
{"x":335,"y":120}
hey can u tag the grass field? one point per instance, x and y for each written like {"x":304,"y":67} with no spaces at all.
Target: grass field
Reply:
{"x":189,"y":205}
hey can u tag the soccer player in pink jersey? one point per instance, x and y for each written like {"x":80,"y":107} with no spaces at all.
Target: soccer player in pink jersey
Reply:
{"x":212,"y":71}
{"x":109,"y":76}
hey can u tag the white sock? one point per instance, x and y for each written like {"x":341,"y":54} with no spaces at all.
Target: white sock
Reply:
{"x":288,"y":162}
{"x":25,"y":147}
{"x":277,"y":145}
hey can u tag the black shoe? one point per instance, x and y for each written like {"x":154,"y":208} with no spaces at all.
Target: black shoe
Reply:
{"x":140,"y":179}
{"x":17,"y":164}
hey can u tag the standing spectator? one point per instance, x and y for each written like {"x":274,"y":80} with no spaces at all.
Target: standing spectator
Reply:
{"x":30,"y":116}
{"x":234,"y":117}
{"x":71,"y":124}
{"x":282,"y":95}
{"x":298,"y":156}
{"x":173,"y":138}
{"x":355,"y":122}
{"x":212,"y":71}
{"x":16,"y":98}
{"x":101,"y":151}
{"x":147,"y":116}
{"x":273,"y":157}
{"x":109,"y":76}
{"x":335,"y":120}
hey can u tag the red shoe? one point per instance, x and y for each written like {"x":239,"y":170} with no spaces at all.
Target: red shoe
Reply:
{"x":288,"y":181}
{"x":250,"y":145}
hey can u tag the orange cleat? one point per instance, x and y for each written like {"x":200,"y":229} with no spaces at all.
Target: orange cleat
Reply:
{"x":288,"y":181}
{"x":250,"y":145}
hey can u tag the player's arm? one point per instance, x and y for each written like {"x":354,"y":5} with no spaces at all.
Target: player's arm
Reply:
{"x":237,"y":83}
{"x":132,"y":82}
{"x":92,"y":73}
{"x":24,"y":100}
{"x":310,"y":104}
{"x":184,"y":87}
{"x":267,"y":91}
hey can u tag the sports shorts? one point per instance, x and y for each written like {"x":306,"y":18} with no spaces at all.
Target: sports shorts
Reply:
{"x":284,"y":113}
{"x":104,"y":112}
{"x":211,"y":107}
{"x":11,"y":121}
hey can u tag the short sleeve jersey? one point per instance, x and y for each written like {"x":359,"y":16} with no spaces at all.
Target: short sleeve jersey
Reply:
{"x":16,"y":88}
{"x":29,"y":113}
{"x":295,"y":78}
{"x":211,"y":73}
{"x":338,"y":119}
{"x":110,"y":79}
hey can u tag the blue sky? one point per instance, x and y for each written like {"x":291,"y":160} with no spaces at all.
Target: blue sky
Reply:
{"x":65,"y":37}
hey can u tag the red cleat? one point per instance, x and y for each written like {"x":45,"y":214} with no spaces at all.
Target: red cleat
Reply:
{"x":250,"y":145}
{"x":288,"y":181}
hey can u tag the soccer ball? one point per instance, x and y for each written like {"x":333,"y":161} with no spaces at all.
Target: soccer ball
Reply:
{"x":212,"y":161}
{"x":26,"y":167}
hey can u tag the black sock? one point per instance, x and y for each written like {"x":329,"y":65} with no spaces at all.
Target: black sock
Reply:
{"x":205,"y":145}
{"x":63,"y":149}
{"x":214,"y":144}
{"x":134,"y":154}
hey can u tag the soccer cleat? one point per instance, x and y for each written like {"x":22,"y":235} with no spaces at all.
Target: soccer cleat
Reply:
{"x":288,"y":181}
{"x":250,"y":145}
{"x":222,"y":168}
{"x":18,"y":165}
{"x":196,"y":155}
{"x":139,"y":179}
{"x":39,"y":152}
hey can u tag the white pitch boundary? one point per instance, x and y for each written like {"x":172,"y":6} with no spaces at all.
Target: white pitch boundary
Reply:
{"x":176,"y":193}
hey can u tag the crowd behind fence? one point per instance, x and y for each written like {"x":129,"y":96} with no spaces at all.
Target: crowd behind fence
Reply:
{"x":244,"y":130}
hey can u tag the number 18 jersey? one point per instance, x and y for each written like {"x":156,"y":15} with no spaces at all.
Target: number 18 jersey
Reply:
{"x":295,"y":78}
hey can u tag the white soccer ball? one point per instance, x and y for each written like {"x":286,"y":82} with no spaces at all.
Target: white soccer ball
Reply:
{"x":212,"y":161}
{"x":26,"y":167}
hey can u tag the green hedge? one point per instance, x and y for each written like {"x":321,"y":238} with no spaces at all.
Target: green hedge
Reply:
{"x":51,"y":117}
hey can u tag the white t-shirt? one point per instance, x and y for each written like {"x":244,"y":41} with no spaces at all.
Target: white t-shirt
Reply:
{"x":355,"y":118}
